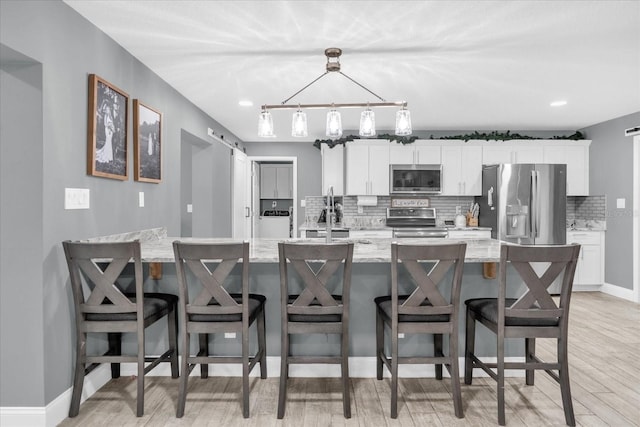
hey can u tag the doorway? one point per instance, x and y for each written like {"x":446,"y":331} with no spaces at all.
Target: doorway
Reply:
{"x":267,"y":195}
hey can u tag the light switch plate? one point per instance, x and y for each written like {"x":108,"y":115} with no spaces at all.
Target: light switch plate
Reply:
{"x":303,"y":203}
{"x":189,"y":208}
{"x":76,"y":198}
{"x":621,"y":203}
{"x":141,"y":199}
{"x":230,"y":335}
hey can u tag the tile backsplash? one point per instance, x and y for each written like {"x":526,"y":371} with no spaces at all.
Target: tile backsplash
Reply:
{"x":578,"y":207}
{"x":445,"y":206}
{"x":586,"y":207}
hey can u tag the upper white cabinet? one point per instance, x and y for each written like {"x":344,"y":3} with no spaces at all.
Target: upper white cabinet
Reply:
{"x":461,"y":170}
{"x":333,"y":169}
{"x":516,"y":152}
{"x":420,"y":152}
{"x":276,"y":181}
{"x":576,"y":157}
{"x":367,"y":164}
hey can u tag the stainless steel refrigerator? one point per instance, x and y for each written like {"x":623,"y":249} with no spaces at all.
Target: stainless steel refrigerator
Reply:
{"x":525,"y":203}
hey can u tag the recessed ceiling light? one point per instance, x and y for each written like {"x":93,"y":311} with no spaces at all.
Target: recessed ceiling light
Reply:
{"x":245,"y":103}
{"x":558,"y":103}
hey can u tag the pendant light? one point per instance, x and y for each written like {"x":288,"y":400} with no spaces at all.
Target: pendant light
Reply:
{"x":403,"y":122}
{"x":334,"y":120}
{"x":334,"y":124}
{"x":265,"y":125}
{"x":367,"y":123}
{"x":299,"y":124}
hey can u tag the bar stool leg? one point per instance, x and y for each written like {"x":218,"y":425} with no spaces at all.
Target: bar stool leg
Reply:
{"x":284,"y":373}
{"x":379,"y":344}
{"x":437,"y":352}
{"x":470,"y":332}
{"x":530,"y":351}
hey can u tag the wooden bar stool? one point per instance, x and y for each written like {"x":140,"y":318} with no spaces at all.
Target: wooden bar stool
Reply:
{"x":214,"y":310}
{"x":424,"y":311}
{"x":315,"y":310}
{"x":102,"y":307}
{"x":532,"y":315}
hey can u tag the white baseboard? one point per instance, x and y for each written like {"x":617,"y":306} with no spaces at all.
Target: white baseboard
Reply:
{"x":617,"y":291}
{"x":586,"y":288}
{"x":359,"y":367}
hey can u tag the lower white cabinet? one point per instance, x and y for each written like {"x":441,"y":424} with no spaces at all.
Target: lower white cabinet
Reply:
{"x":590,"y":268}
{"x":468,"y":234}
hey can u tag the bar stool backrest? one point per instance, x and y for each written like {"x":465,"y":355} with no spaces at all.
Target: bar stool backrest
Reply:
{"x":537,"y":301}
{"x":412,"y":257}
{"x":315,"y":298}
{"x":212,"y":284}
{"x":95,"y":288}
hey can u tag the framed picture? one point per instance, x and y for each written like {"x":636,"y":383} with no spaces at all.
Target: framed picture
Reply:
{"x":107,"y":130}
{"x":147,"y":143}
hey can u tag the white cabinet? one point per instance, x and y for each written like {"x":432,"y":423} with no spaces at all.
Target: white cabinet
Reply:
{"x":576,"y":157}
{"x":461,"y":170}
{"x":420,"y":152}
{"x":367,"y":164}
{"x":529,"y":152}
{"x":384,"y":233}
{"x":590,"y":268}
{"x":333,"y":169}
{"x":468,"y":234}
{"x":276,"y":181}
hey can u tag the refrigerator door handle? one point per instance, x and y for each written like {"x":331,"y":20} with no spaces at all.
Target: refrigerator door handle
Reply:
{"x":534,"y":203}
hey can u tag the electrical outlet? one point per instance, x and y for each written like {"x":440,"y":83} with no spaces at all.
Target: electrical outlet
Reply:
{"x":189,"y":208}
{"x":141,"y":199}
{"x":360,"y":209}
{"x":401,"y":335}
{"x":76,"y":198}
{"x":230,"y":335}
{"x":621,"y":203}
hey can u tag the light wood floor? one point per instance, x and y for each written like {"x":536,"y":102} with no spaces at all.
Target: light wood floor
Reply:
{"x":604,"y":346}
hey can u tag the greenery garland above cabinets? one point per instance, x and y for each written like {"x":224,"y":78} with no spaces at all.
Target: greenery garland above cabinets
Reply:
{"x":491,"y":136}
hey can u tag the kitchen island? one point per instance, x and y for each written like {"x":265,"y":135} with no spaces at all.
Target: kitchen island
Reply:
{"x":371,"y":277}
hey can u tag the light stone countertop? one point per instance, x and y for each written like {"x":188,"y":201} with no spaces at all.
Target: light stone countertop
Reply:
{"x":365,"y":250}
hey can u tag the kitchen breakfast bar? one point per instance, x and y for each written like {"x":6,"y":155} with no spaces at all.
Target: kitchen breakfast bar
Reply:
{"x":371,"y":277}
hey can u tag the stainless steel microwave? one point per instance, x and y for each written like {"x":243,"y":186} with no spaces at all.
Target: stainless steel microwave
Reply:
{"x":415,"y":179}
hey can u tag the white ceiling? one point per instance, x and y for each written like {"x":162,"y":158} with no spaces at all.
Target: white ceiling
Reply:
{"x":463,"y":65}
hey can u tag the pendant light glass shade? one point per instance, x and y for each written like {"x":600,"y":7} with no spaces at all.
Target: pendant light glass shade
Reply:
{"x":299,"y":124}
{"x":265,"y":125}
{"x":367,"y":123}
{"x":334,"y":124}
{"x":403,"y":122}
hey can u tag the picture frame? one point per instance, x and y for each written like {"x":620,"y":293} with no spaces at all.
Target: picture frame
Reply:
{"x":147,"y":143}
{"x":107,"y":152}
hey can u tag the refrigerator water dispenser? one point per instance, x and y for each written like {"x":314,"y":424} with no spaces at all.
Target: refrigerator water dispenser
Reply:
{"x":517,"y":220}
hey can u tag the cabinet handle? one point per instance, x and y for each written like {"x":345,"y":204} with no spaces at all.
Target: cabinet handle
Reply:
{"x":248,"y":213}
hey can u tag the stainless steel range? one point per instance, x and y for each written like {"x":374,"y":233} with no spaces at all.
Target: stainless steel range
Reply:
{"x":414,"y":222}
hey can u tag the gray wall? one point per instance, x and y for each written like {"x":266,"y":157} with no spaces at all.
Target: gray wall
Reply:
{"x":44,"y":127}
{"x":21,"y":227}
{"x":611,"y":174}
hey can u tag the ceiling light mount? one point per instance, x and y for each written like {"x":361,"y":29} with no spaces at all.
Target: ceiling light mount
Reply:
{"x":333,"y":58}
{"x":333,"y":118}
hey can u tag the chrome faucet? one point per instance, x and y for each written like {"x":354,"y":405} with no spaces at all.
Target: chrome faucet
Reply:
{"x":330,"y":214}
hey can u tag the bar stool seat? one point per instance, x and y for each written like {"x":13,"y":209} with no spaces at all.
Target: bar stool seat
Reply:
{"x":384,"y":304}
